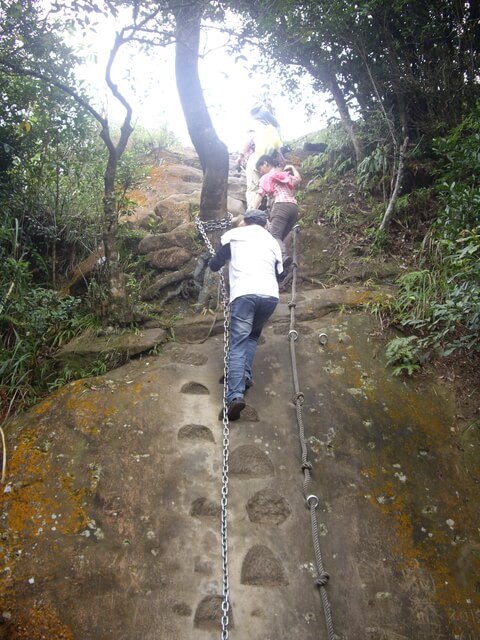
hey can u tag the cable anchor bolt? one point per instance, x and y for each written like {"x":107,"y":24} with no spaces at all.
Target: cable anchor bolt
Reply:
{"x":311,"y":501}
{"x":322,"y":339}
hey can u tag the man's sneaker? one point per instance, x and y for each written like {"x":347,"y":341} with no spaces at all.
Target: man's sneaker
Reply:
{"x":287,"y":262}
{"x":234,"y":409}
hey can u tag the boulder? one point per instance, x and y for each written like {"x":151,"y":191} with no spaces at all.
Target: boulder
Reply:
{"x":186,"y":178}
{"x":183,"y":236}
{"x":235,"y":207}
{"x":177,"y":209}
{"x":114,"y":349}
{"x":172,"y":258}
{"x":237,"y":187}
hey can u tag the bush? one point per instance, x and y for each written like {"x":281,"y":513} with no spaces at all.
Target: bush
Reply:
{"x":441,"y":303}
{"x":34,"y":322}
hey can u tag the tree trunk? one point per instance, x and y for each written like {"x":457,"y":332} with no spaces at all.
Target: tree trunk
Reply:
{"x":117,"y":308}
{"x":329,"y":81}
{"x":212,"y":152}
{"x":337,"y":94}
{"x":398,"y":184}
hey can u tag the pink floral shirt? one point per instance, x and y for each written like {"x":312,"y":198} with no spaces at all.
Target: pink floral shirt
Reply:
{"x":279,"y":184}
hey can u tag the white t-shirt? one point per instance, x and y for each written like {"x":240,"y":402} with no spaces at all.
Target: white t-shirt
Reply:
{"x":254,"y":255}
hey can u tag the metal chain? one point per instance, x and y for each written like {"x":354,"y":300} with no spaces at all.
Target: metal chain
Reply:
{"x":202,"y":227}
{"x":213,"y":225}
{"x":311,"y":500}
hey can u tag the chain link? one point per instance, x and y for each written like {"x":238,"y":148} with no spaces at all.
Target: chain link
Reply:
{"x":226,"y":443}
{"x":202,"y":227}
{"x":213,"y":225}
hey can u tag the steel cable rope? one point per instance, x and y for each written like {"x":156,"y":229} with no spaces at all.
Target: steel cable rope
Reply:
{"x":202,"y":227}
{"x":311,"y":500}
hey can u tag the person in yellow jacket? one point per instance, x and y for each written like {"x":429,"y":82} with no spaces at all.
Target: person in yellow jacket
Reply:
{"x":266,"y":140}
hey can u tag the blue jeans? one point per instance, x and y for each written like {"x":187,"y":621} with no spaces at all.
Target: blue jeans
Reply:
{"x":248,"y":315}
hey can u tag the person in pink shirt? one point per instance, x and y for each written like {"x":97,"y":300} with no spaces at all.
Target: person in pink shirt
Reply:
{"x":280,"y":186}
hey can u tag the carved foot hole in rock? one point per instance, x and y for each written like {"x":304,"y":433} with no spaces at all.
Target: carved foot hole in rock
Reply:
{"x":196,"y":432}
{"x":204,"y":508}
{"x":182,"y":609}
{"x":268,"y":507}
{"x":195,"y":388}
{"x":262,"y":568}
{"x":250,"y":462}
{"x":205,"y":567}
{"x":209,"y":612}
{"x":249,"y":414}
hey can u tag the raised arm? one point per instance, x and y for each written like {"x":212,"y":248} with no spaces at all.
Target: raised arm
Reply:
{"x":293,"y":170}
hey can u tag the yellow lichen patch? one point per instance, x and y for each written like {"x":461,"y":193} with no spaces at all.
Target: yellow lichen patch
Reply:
{"x":77,"y":517}
{"x":157,"y":173}
{"x":43,"y":407}
{"x":39,"y":622}
{"x":431,"y":414}
{"x":370,"y":472}
{"x":47,"y":404}
{"x":137,"y":388}
{"x":138,"y":197}
{"x":87,"y":413}
{"x":435,"y":553}
{"x":40,"y":501}
{"x":394,"y":508}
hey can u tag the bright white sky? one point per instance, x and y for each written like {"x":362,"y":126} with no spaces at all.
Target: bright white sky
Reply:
{"x":148,"y":82}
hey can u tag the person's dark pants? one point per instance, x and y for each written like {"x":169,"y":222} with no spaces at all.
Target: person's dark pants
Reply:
{"x":248,"y":315}
{"x":283,"y":217}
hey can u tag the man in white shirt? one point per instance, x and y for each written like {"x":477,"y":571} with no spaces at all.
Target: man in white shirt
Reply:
{"x":255,"y":260}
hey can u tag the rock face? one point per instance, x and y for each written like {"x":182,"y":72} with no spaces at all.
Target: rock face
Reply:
{"x":110,"y":509}
{"x":82,"y":352}
{"x":173,"y":201}
{"x":174,"y":195}
{"x":183,"y":236}
{"x":172,"y":258}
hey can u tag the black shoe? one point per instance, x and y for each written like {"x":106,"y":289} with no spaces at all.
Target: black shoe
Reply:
{"x":287,"y":262}
{"x":234,"y":409}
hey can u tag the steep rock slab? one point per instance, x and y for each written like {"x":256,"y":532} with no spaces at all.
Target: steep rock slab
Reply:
{"x":109,"y":516}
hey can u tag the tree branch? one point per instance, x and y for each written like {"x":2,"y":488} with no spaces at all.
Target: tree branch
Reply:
{"x":398,"y":183}
{"x":13,"y":69}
